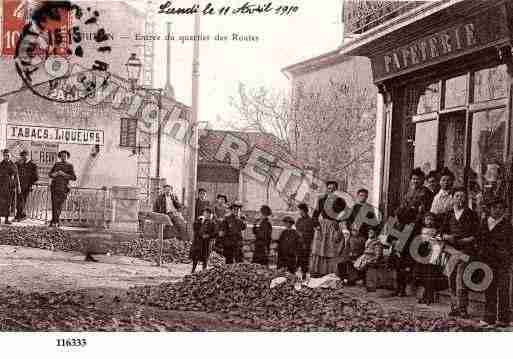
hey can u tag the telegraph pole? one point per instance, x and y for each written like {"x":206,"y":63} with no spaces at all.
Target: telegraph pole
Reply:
{"x":195,"y":110}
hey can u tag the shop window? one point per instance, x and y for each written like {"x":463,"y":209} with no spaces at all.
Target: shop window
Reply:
{"x":426,"y":139}
{"x":423,"y":99}
{"x":490,"y":84}
{"x":456,"y":91}
{"x":452,"y":145}
{"x":485,"y":178}
{"x":128,"y":132}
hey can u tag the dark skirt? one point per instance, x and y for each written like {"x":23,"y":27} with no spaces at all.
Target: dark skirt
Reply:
{"x":200,"y":249}
{"x":261,"y":254}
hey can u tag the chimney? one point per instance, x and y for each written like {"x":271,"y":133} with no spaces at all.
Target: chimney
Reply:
{"x":169,"y":90}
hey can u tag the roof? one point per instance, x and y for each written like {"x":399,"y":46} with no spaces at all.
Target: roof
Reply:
{"x":211,"y":140}
{"x":327,"y":59}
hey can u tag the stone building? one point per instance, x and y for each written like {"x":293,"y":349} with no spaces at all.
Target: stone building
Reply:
{"x":444,"y":97}
{"x":109,"y":147}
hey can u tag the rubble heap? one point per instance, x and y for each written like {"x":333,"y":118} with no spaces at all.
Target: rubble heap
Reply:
{"x":242,"y":293}
{"x":73,"y":311}
{"x":175,"y":251}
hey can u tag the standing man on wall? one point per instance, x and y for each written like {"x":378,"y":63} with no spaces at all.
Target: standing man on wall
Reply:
{"x":27,"y":172}
{"x":61,"y":173}
{"x":9,"y":185}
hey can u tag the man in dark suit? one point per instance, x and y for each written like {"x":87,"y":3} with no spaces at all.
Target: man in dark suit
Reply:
{"x":230,"y":233}
{"x":496,"y":250}
{"x":169,"y":204}
{"x":9,"y":185}
{"x":460,"y":229}
{"x":27,"y":172}
{"x":61,"y":174}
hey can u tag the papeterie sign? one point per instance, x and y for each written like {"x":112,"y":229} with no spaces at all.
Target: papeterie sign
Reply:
{"x":473,"y":34}
{"x":55,"y":134}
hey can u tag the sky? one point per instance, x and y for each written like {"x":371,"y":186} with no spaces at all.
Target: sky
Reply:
{"x":283,"y":41}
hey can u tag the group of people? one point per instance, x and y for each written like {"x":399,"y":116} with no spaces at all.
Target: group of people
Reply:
{"x":18,"y":178}
{"x":222,"y":226}
{"x":326,"y":242}
{"x":441,"y":212}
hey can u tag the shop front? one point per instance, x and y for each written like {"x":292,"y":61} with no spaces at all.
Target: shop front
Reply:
{"x":444,"y":75}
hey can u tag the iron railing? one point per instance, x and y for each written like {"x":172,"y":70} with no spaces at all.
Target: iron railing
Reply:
{"x":84,"y":207}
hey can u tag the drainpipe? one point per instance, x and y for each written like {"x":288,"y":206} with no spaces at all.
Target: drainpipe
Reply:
{"x":159,"y":132}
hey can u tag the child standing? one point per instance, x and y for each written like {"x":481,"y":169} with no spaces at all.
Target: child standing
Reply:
{"x":287,"y":246}
{"x":427,"y":274}
{"x":263,"y":232}
{"x":305,"y":228}
{"x":205,"y":232}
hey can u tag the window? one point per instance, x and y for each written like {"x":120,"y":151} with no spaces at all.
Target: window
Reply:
{"x":490,"y":84}
{"x":423,"y":99}
{"x":128,"y":132}
{"x":426,"y":139}
{"x":456,"y":92}
{"x":487,"y":154}
{"x":451,"y":145}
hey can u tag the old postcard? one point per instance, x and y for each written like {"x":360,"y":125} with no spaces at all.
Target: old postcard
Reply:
{"x":254,"y":166}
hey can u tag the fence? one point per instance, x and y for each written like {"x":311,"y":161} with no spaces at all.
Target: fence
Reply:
{"x":84,"y":207}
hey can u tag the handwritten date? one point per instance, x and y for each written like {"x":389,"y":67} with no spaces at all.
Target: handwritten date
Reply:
{"x":246,"y":9}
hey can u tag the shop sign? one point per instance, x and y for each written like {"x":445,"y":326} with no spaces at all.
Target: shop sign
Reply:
{"x":55,"y":135}
{"x":474,"y":34}
{"x":43,"y":154}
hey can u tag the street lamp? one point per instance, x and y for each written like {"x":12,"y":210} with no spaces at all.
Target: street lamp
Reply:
{"x":133,"y":67}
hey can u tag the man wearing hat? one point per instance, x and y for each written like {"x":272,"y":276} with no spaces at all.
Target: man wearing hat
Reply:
{"x":230,"y":234}
{"x":495,"y":243}
{"x":27,"y":172}
{"x":61,"y":174}
{"x":9,"y":185}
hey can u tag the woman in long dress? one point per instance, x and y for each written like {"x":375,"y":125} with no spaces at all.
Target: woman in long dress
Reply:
{"x":328,"y":240}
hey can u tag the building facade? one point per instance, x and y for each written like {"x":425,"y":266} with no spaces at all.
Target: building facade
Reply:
{"x":110,"y":146}
{"x":444,"y":73}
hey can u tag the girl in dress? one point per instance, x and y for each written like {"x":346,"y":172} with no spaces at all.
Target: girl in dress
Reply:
{"x":427,"y":274}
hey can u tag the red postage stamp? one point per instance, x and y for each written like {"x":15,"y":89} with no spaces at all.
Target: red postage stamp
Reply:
{"x":54,"y":27}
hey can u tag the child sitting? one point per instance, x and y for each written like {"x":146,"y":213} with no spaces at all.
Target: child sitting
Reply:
{"x":287,"y":246}
{"x":353,"y":248}
{"x":373,"y":252}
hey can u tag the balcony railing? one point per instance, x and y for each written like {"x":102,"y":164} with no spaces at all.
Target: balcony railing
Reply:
{"x":361,"y":15}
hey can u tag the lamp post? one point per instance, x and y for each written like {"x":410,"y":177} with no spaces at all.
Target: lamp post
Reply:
{"x":134,"y":68}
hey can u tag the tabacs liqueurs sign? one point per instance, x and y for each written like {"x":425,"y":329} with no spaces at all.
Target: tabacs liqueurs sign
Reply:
{"x":55,"y":135}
